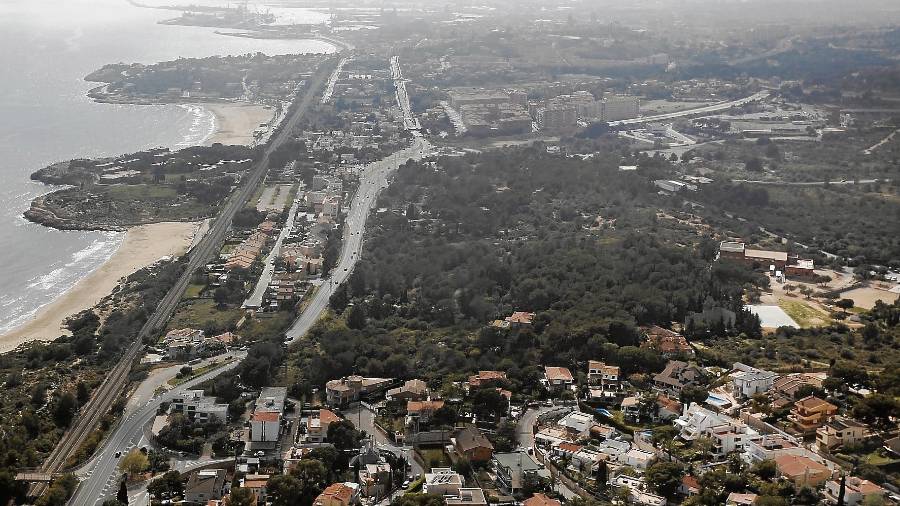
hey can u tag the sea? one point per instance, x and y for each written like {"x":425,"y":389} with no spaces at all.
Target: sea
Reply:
{"x":46,"y":49}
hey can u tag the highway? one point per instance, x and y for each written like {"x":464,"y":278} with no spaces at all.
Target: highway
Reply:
{"x":372,"y":180}
{"x":722,"y":106}
{"x":101,"y":480}
{"x":116,"y":380}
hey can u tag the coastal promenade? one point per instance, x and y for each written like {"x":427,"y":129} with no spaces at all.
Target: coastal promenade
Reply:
{"x":115,"y":382}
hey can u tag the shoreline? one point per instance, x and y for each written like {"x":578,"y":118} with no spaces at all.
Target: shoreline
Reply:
{"x":236,"y":122}
{"x":142,"y":246}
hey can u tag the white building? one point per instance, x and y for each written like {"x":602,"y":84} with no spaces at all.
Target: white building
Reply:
{"x":638,"y":459}
{"x":749,"y":381}
{"x":727,"y":434}
{"x":196,"y":406}
{"x":638,"y":490}
{"x":443,"y":481}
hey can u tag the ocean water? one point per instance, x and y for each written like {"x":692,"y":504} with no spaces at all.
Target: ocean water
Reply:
{"x":46,"y":49}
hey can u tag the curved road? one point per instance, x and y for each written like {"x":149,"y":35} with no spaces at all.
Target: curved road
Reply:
{"x":372,"y":180}
{"x":723,"y":106}
{"x":101,"y":474}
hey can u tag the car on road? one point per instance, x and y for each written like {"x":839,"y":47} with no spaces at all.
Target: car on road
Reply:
{"x":118,"y":454}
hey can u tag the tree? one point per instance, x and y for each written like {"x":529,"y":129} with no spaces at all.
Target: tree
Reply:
{"x":489,"y":403}
{"x":168,"y":483}
{"x":284,"y":489}
{"x":311,"y":475}
{"x":665,"y":478}
{"x":419,"y":500}
{"x":753,"y":164}
{"x":241,"y":497}
{"x":765,"y":469}
{"x":691,"y":394}
{"x":122,"y":496}
{"x":842,"y":491}
{"x":356,"y":317}
{"x":877,"y":409}
{"x":65,"y":409}
{"x":845,"y":304}
{"x":135,"y":463}
{"x":343,"y":435}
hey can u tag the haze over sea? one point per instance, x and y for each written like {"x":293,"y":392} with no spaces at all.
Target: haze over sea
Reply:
{"x":48,"y":46}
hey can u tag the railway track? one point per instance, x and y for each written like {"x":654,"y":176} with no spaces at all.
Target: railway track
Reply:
{"x":114,"y":384}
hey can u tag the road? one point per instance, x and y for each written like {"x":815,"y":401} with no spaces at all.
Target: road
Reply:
{"x":106,"y":394}
{"x":813,"y":183}
{"x":101,"y":474}
{"x":256,"y":298}
{"x":372,"y":180}
{"x":364,"y":419}
{"x":723,"y":106}
{"x":525,"y":438}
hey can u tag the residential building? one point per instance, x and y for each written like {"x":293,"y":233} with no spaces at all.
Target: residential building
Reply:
{"x":467,"y":497}
{"x":204,"y":486}
{"x":784,"y":388}
{"x":375,"y":480}
{"x":443,"y":481}
{"x":769,"y":446}
{"x":726,"y":433}
{"x":557,"y":117}
{"x":678,"y":375}
{"x":540,"y":500}
{"x":668,"y":343}
{"x":577,"y":422}
{"x":338,"y":494}
{"x":619,"y":107}
{"x":421,"y":412}
{"x":196,"y":406}
{"x":810,"y":413}
{"x":839,"y":432}
{"x":749,"y":381}
{"x":487,"y":379}
{"x":856,"y":490}
{"x":736,"y":499}
{"x":558,"y":378}
{"x":265,"y":423}
{"x":638,"y":490}
{"x":512,"y":469}
{"x":340,"y":392}
{"x":638,"y":459}
{"x":473,"y":445}
{"x":605,"y":376}
{"x":317,"y":428}
{"x":803,"y":471}
{"x":412,"y":390}
{"x":257,"y":484}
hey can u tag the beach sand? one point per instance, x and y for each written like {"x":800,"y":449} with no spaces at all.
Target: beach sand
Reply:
{"x":142,"y":246}
{"x":235,"y":123}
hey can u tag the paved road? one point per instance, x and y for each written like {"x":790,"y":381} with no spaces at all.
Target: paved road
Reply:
{"x":256,"y":298}
{"x":813,"y":183}
{"x":112,"y":387}
{"x":525,"y":438}
{"x":691,"y":112}
{"x":101,"y":474}
{"x":372,"y":180}
{"x":364,"y":419}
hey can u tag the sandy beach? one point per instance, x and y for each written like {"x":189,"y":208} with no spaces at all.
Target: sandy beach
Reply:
{"x":235,"y":123}
{"x":142,"y":246}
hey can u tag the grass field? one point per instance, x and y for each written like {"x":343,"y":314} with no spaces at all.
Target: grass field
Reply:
{"x":200,"y":314}
{"x":193,"y":291}
{"x":804,"y":314}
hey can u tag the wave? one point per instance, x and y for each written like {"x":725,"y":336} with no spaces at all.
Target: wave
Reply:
{"x":48,"y":287}
{"x":202,"y":127}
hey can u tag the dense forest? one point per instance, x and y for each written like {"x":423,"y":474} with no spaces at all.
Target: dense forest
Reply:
{"x":468,"y":240}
